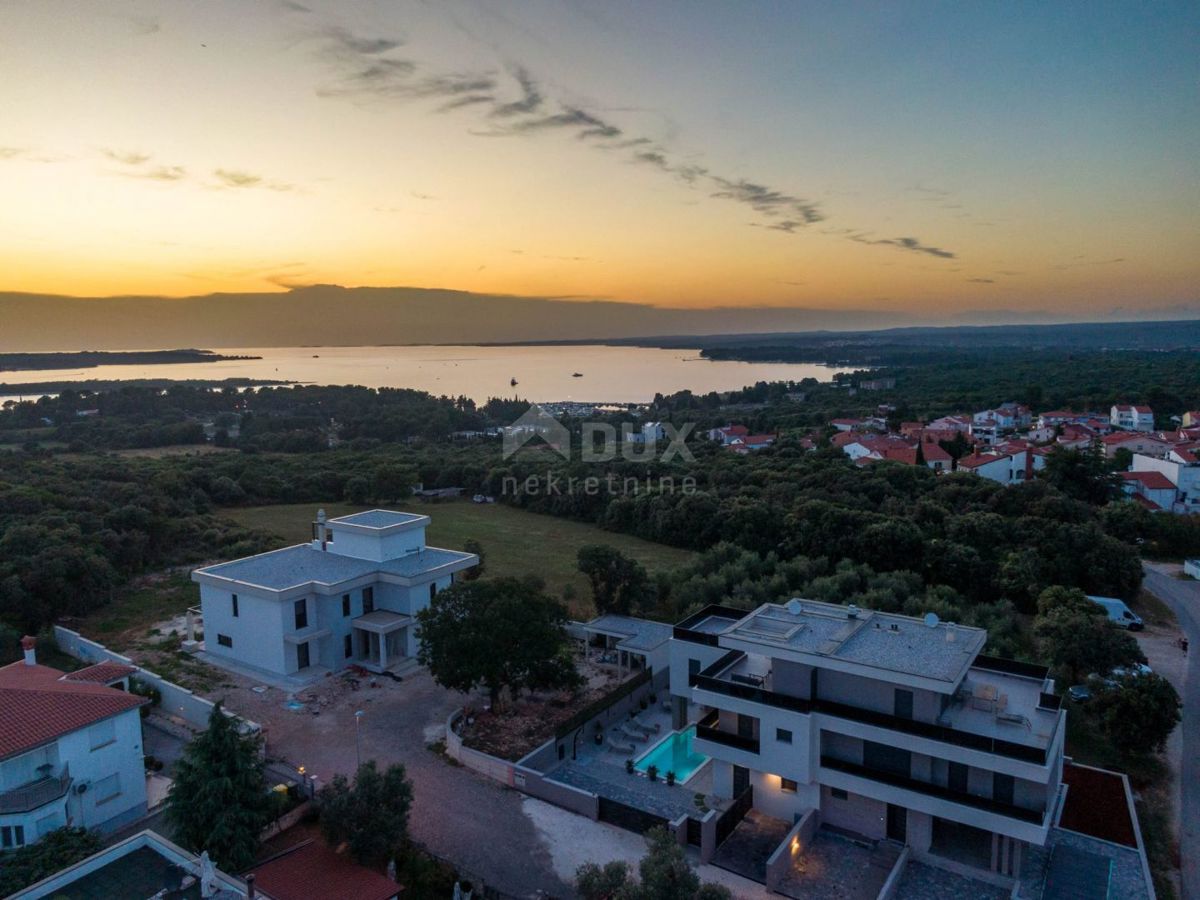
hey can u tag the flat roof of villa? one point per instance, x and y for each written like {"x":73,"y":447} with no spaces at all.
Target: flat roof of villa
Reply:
{"x":378,"y":518}
{"x":895,"y":643}
{"x":302,"y":564}
{"x":640,"y":634}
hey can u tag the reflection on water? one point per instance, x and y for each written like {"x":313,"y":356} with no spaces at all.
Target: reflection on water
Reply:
{"x":613,"y":374}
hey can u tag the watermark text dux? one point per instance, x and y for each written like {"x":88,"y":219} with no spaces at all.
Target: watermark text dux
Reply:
{"x":600,"y":441}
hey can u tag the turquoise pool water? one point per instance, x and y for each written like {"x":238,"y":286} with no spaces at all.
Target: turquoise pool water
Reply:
{"x":673,"y":753}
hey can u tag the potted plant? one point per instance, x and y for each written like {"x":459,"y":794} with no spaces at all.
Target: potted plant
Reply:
{"x":629,"y":766}
{"x":670,"y":779}
{"x":652,"y":773}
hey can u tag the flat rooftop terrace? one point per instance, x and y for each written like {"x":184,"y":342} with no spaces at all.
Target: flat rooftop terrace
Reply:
{"x":930,"y":649}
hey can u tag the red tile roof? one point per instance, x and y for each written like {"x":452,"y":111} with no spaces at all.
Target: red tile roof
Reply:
{"x":101,"y":673}
{"x":38,"y":705}
{"x":974,"y":462}
{"x":1154,"y":481}
{"x":312,"y":871}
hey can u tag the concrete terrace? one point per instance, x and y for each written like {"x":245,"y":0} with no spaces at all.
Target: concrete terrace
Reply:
{"x":864,"y":640}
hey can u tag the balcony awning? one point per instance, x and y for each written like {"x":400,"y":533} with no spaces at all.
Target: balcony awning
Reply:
{"x":382,"y":621}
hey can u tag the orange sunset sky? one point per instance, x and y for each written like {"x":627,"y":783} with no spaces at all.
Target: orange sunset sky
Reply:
{"x":917,"y":157}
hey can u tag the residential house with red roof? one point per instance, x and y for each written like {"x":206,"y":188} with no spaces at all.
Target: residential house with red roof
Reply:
{"x":1191,"y":418}
{"x":751,"y":442}
{"x":1134,"y":442}
{"x":728,"y":434}
{"x":70,"y":749}
{"x":1154,"y":488}
{"x":311,"y":870}
{"x":1132,"y":418}
{"x":1181,"y":467}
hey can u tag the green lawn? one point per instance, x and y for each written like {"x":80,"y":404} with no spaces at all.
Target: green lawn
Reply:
{"x":515,"y":542}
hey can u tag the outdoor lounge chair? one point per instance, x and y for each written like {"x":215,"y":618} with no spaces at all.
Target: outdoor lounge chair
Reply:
{"x":631,"y":731}
{"x":648,"y":727}
{"x":619,"y":748}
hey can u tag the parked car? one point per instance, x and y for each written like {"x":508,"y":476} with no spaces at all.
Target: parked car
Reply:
{"x":1139,"y":669}
{"x":1079,"y":693}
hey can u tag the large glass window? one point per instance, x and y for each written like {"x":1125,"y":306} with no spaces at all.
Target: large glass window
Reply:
{"x":301,"y":607}
{"x":368,"y":600}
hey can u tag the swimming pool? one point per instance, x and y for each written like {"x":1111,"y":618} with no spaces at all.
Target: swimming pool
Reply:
{"x":673,"y":753}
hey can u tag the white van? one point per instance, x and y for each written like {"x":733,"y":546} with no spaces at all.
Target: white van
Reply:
{"x":1118,"y":613}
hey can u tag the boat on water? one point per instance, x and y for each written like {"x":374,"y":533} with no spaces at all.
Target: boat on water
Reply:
{"x":577,"y":375}
{"x":513,"y":382}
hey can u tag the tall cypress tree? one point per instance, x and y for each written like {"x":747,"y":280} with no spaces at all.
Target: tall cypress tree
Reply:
{"x":218,"y":801}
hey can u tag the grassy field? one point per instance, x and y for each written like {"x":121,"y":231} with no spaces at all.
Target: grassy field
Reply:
{"x":515,"y":542}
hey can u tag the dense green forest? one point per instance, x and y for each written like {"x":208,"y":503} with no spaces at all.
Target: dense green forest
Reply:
{"x":77,"y":520}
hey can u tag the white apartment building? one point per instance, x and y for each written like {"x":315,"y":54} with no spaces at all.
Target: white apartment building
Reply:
{"x":348,"y":597}
{"x":1132,"y":418}
{"x":70,"y":750}
{"x":1182,"y":469}
{"x":888,"y":726}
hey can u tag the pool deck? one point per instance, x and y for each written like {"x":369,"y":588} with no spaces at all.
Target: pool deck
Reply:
{"x":602,"y":771}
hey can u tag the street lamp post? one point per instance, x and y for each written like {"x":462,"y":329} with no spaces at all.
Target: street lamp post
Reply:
{"x":358,"y":714}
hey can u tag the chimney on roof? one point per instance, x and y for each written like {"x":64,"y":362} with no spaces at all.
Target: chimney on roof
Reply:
{"x":852,"y":611}
{"x":319,"y":528}
{"x":951,"y":633}
{"x":28,"y":644}
{"x":250,"y":893}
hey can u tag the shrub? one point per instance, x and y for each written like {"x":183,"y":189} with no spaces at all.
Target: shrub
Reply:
{"x":670,"y":779}
{"x":652,"y":773}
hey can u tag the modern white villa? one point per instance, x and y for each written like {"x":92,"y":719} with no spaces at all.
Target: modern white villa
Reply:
{"x":887,"y":726}
{"x":70,"y":749}
{"x":348,"y":597}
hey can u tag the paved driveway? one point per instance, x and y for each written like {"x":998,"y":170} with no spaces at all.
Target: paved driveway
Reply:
{"x":1184,"y":599}
{"x":470,"y":820}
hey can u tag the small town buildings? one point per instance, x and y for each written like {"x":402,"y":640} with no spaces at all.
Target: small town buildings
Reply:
{"x":877,"y":384}
{"x":348,"y":597}
{"x":881,"y":725}
{"x":1181,"y":467}
{"x":847,"y":424}
{"x":751,"y":442}
{"x":961,"y":424}
{"x":70,"y":749}
{"x":1132,"y":418}
{"x":1153,"y":489}
{"x":1191,"y":419}
{"x":728,"y":434}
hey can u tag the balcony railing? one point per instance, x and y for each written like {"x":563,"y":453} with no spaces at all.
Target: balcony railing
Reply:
{"x":986,"y":804}
{"x":708,"y":729}
{"x":29,"y":797}
{"x":709,"y":680}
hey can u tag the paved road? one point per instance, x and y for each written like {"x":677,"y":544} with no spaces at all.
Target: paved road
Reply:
{"x":1184,"y":599}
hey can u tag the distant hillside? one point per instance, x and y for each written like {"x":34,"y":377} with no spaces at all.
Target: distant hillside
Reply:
{"x":327,"y":315}
{"x":88,"y":359}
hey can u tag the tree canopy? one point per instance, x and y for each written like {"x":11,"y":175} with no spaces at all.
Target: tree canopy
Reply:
{"x":370,"y":815}
{"x":619,"y":583}
{"x":1075,"y":635}
{"x":1139,"y":713}
{"x":496,"y":634}
{"x":664,"y":873}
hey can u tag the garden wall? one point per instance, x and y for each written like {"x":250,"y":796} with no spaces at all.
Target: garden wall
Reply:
{"x":177,"y":702}
{"x":519,"y":776}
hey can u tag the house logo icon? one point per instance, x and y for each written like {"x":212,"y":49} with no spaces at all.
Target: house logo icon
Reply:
{"x":537,"y":423}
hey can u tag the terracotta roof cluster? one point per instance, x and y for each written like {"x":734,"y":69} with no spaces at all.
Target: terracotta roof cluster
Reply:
{"x":312,"y":871}
{"x":39,"y":704}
